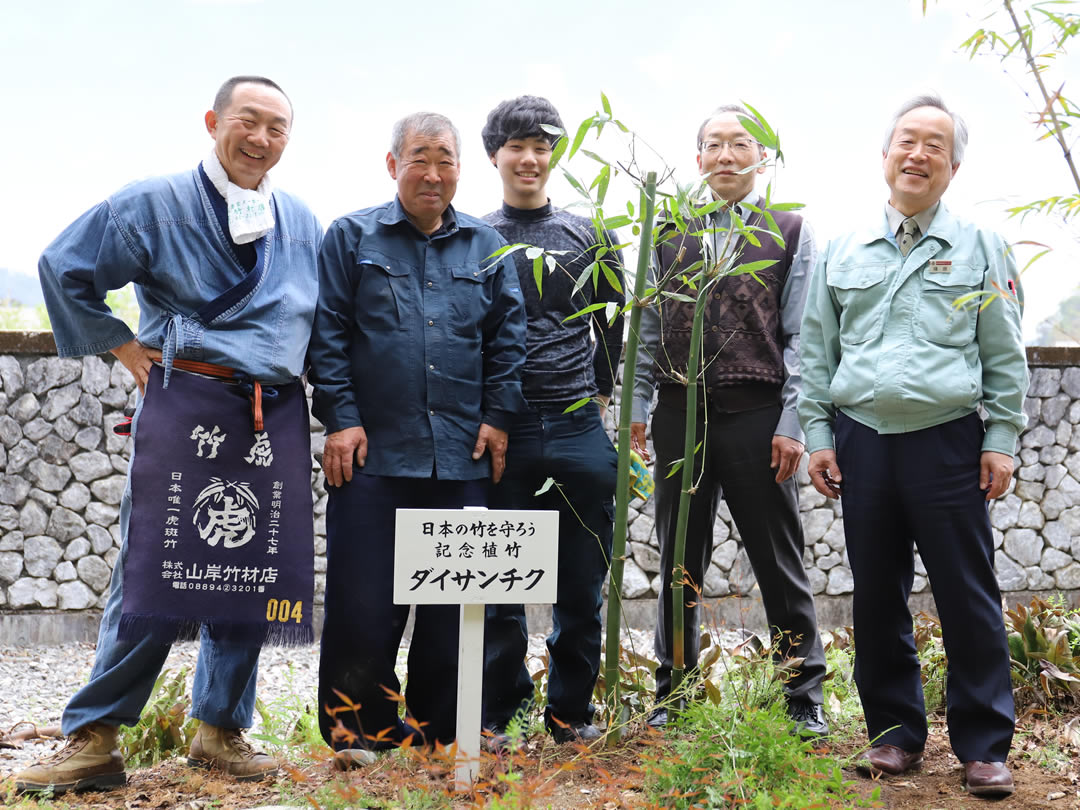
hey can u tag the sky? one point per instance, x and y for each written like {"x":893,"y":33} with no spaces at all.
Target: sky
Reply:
{"x":100,"y":94}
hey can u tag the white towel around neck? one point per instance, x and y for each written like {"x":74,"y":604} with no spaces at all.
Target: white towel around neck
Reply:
{"x":250,"y":214}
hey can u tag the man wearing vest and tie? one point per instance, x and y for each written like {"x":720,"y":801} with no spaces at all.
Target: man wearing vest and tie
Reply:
{"x":911,"y":326}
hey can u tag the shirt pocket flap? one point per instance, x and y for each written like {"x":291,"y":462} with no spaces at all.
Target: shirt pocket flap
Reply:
{"x":956,"y":275}
{"x":855,"y":277}
{"x":384,"y":263}
{"x":470,"y":272}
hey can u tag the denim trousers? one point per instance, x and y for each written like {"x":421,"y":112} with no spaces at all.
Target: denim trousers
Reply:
{"x":575,"y":451}
{"x":223,"y":692}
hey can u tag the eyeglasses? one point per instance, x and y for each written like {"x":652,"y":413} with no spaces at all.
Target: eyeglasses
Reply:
{"x":740,"y":146}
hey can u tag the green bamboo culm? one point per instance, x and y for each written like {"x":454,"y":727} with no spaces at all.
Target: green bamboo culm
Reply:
{"x":678,"y":599}
{"x":622,"y":489}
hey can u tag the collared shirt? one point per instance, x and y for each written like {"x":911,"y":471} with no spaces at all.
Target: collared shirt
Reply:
{"x":884,"y":342}
{"x":418,"y":339}
{"x":792,"y":299}
{"x":163,"y":235}
{"x":922,"y":219}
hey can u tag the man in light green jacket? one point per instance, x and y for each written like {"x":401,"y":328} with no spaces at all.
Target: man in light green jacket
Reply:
{"x":911,"y":326}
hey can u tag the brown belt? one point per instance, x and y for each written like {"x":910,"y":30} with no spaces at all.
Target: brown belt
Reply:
{"x":225,"y":373}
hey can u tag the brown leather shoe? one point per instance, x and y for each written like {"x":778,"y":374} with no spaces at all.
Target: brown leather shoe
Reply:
{"x":89,"y":761}
{"x":882,"y":759}
{"x":988,"y":779}
{"x":226,"y":748}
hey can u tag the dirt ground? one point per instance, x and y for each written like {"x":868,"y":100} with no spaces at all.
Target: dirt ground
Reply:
{"x":563,"y":778}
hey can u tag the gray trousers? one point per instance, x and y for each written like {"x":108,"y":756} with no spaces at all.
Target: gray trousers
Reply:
{"x":736,"y":453}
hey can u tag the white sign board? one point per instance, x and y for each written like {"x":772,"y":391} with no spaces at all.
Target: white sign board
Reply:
{"x":458,"y":557}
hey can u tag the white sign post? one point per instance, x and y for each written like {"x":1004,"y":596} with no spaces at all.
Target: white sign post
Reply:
{"x":474,"y":558}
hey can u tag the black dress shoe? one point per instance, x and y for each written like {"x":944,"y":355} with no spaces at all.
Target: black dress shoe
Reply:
{"x":810,"y":722}
{"x":988,"y":779}
{"x":889,"y":759}
{"x":658,"y":718}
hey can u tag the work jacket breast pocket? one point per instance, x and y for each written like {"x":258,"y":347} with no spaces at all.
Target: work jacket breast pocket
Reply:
{"x":379,"y":295}
{"x":469,"y":298}
{"x":945,"y":315}
{"x":859,"y":290}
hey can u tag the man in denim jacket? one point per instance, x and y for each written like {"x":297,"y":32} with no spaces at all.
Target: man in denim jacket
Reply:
{"x":172,"y":237}
{"x":910,"y":327}
{"x":416,"y":359}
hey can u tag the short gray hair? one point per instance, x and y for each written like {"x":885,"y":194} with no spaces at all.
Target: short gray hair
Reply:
{"x":960,"y":130}
{"x":428,"y":124}
{"x":738,"y":109}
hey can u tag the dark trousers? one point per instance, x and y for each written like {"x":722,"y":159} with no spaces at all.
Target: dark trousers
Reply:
{"x":362,"y":628}
{"x":924,"y":487}
{"x":734,"y":461}
{"x":574,"y":450}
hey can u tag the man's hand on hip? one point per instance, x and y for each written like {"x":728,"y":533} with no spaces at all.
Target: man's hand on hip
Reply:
{"x":137,"y":359}
{"x":786,"y":453}
{"x":494,"y":441}
{"x":824,"y":474}
{"x":341,"y":445}
{"x":637,"y":440}
{"x":995,"y":472}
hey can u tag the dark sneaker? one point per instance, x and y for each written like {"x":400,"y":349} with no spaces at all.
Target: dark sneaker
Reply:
{"x":583,"y":733}
{"x":227,"y":750}
{"x":809,"y":719}
{"x":658,"y":718}
{"x":89,"y":760}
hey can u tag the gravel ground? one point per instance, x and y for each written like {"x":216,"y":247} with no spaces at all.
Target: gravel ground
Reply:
{"x":36,"y":682}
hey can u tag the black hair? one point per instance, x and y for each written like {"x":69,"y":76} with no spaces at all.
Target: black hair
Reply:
{"x":225,"y":92}
{"x":520,"y":117}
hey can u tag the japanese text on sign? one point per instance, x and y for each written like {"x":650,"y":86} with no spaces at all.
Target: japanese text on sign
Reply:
{"x":450,"y":556}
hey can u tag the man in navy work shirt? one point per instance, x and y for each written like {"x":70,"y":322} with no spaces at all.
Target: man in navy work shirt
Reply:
{"x":217,"y":232}
{"x":416,"y":361}
{"x":563,"y":366}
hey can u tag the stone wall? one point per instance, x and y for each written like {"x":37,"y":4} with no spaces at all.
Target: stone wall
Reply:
{"x":62,"y":474}
{"x":1036,"y":525}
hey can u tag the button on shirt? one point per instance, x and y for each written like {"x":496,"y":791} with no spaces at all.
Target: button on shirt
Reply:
{"x":418,"y":339}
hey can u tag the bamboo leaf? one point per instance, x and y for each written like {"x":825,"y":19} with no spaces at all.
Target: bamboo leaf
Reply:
{"x":585,"y":311}
{"x":538,"y":275}
{"x":548,"y":484}
{"x":606,"y":105}
{"x":557,"y":152}
{"x":583,"y":279}
{"x":601,"y":190}
{"x":611,"y":276}
{"x":531,"y":252}
{"x":678,"y":296}
{"x":581,"y":403}
{"x":752,"y":267}
{"x":580,"y":136}
{"x":573,"y":181}
{"x":595,"y":157}
{"x":618,"y":221}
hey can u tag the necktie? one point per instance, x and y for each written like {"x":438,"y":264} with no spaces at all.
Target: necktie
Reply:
{"x":909,"y":235}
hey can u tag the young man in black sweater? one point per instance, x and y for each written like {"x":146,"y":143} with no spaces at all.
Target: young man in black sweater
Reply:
{"x":564,"y":364}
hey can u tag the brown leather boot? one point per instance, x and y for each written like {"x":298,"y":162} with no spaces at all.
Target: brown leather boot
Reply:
{"x":89,"y":760}
{"x":226,"y":749}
